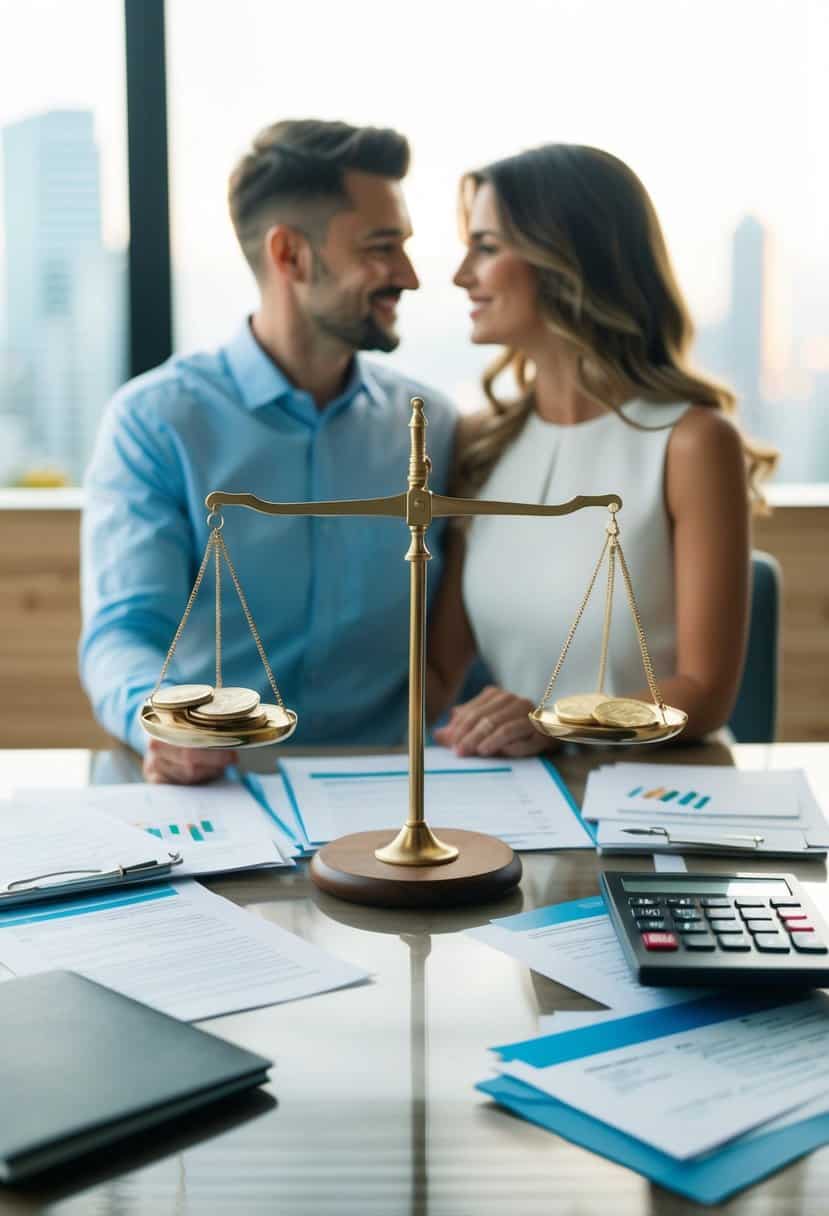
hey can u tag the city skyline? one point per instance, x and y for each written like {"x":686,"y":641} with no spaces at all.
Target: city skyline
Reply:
{"x":58,"y":273}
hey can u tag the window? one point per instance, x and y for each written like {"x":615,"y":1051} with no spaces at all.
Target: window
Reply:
{"x":719,"y":108}
{"x":63,"y":232}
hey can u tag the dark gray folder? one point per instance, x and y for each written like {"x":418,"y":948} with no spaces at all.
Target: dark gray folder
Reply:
{"x":82,"y":1066}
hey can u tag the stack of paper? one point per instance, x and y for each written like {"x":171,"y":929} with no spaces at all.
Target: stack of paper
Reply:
{"x":575,"y":944}
{"x":704,"y":1097}
{"x":174,"y":946}
{"x":215,"y":828}
{"x":646,"y":808}
{"x":701,"y":1092}
{"x":523,"y":802}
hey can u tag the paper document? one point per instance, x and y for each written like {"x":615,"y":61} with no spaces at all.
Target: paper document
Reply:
{"x":175,"y":946}
{"x":643,"y":808}
{"x":576,"y":945}
{"x":215,"y":828}
{"x":49,"y":837}
{"x":272,"y":795}
{"x":691,"y":792}
{"x":524,"y":802}
{"x":688,"y":1078}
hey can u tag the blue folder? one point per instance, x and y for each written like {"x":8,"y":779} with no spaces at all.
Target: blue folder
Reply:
{"x":707,"y":1179}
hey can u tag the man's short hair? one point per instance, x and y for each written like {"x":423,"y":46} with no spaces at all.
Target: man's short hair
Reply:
{"x":295,"y":171}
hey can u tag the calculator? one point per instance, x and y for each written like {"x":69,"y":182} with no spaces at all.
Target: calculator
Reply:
{"x":717,"y":929}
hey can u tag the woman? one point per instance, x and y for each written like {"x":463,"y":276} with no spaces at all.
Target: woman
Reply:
{"x":567,"y":269}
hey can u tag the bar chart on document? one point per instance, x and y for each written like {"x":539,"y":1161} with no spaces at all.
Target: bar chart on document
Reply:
{"x":689,"y":798}
{"x":688,"y":791}
{"x":184,"y":831}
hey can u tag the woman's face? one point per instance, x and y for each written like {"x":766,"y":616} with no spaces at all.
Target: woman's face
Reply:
{"x":501,"y":285}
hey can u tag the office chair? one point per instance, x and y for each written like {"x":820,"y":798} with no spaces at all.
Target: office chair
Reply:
{"x":754,"y":717}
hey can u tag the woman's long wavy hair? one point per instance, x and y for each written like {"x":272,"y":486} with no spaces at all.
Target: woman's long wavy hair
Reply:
{"x":585,"y":222}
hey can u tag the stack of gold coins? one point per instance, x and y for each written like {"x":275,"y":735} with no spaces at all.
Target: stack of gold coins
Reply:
{"x":229,"y":709}
{"x":202,"y":714}
{"x":625,"y":712}
{"x":597,"y":709}
{"x":171,"y":703}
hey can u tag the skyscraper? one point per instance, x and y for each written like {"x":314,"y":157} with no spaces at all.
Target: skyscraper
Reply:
{"x":54,"y":247}
{"x":748,"y":310}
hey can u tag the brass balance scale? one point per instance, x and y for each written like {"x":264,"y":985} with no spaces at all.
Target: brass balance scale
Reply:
{"x":415,"y":868}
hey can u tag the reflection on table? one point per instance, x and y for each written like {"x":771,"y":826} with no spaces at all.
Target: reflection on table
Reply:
{"x":375,"y":1110}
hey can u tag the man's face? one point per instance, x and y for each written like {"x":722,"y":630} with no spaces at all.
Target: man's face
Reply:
{"x":361,"y":267}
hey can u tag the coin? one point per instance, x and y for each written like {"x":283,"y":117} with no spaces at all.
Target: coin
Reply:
{"x":180,"y":696}
{"x":277,"y":716}
{"x":228,"y":703}
{"x":251,"y":721}
{"x":624,"y":711}
{"x":578,"y":709}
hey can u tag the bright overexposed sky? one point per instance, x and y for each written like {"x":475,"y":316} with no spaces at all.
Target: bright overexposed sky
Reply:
{"x":719,"y":106}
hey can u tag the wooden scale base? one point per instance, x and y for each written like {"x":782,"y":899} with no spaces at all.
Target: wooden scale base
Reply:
{"x":484,"y":870}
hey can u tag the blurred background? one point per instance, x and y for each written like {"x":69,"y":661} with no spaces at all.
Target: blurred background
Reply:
{"x":121,"y":119}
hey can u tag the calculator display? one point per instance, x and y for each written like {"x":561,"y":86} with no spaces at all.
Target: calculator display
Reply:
{"x":707,"y":886}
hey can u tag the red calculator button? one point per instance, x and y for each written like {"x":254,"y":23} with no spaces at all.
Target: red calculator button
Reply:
{"x":793,"y":918}
{"x":799,"y":926}
{"x":660,"y":941}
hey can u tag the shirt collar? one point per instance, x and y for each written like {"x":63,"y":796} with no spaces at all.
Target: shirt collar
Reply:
{"x":261,"y":382}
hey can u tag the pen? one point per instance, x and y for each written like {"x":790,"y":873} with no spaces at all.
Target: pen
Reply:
{"x":754,"y":841}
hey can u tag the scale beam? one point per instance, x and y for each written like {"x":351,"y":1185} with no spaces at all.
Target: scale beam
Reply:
{"x":394,"y":506}
{"x":443,"y":506}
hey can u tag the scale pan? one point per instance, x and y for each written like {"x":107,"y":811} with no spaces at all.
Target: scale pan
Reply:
{"x":175,"y":728}
{"x":548,"y":722}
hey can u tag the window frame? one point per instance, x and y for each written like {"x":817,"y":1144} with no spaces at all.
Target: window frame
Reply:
{"x":150,"y":313}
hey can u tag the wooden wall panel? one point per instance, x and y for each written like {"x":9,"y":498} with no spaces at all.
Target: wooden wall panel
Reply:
{"x":799,"y":538}
{"x":42,"y":703}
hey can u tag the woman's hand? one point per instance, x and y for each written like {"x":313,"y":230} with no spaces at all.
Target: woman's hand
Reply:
{"x":493,"y":723}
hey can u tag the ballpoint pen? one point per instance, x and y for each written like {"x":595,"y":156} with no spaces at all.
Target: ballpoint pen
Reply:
{"x":725,"y":839}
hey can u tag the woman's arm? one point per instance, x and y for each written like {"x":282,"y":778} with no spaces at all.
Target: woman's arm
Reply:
{"x":707,"y":502}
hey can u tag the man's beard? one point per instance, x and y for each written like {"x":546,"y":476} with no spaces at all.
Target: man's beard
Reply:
{"x":361,"y":333}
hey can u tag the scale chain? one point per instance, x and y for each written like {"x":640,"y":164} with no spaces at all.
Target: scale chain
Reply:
{"x":573,"y":628}
{"x":212,"y":540}
{"x":217,"y":546}
{"x":640,"y":633}
{"x":612,"y":546}
{"x":249,"y":618}
{"x":608,"y":611}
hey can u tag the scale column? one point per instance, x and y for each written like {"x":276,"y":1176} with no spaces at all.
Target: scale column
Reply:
{"x":415,"y":843}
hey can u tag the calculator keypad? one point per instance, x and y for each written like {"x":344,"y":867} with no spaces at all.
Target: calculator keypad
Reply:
{"x":770,"y":926}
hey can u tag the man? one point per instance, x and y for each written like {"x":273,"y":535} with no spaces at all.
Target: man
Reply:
{"x":288,"y":411}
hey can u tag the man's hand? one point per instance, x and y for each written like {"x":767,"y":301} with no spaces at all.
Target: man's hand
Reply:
{"x":493,"y":723}
{"x":184,"y":765}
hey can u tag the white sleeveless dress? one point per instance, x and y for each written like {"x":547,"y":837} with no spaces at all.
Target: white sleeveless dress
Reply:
{"x":524,"y":579}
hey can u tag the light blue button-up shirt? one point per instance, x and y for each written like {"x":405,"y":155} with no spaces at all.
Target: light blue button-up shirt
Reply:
{"x":330,"y":597}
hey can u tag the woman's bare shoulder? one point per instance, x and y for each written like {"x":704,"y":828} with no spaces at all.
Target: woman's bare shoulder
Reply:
{"x":705,"y":454}
{"x":703,"y":430}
